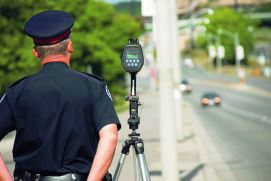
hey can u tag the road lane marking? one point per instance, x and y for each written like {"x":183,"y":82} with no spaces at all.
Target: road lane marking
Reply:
{"x":262,"y":118}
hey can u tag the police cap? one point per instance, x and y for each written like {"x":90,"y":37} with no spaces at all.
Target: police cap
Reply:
{"x":49,"y":27}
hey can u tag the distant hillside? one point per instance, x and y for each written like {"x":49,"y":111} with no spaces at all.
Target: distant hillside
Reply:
{"x":132,"y":7}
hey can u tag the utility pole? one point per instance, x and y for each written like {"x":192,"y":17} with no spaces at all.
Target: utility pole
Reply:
{"x":192,"y":20}
{"x":176,"y":68}
{"x":132,"y":7}
{"x":236,"y":4}
{"x":165,"y":55}
{"x":220,"y":54}
{"x":236,"y":44}
{"x":239,"y":50}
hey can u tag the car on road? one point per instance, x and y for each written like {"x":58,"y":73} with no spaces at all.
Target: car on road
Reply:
{"x":189,"y":63}
{"x":185,"y":86}
{"x":210,"y":99}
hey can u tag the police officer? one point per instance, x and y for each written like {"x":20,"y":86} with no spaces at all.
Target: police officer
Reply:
{"x":66,"y":125}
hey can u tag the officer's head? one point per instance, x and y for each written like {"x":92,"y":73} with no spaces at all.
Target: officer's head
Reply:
{"x":50,"y":31}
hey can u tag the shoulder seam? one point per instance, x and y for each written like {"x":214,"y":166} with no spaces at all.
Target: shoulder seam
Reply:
{"x":18,"y":81}
{"x":94,"y":76}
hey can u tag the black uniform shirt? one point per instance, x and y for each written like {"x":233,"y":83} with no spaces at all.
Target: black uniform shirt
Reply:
{"x":57,"y":114}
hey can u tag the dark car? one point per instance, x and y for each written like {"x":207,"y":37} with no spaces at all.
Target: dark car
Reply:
{"x":185,"y":86}
{"x":210,"y":99}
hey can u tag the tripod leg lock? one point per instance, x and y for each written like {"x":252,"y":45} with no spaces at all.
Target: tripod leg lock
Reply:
{"x":126,"y":147}
{"x":139,"y":147}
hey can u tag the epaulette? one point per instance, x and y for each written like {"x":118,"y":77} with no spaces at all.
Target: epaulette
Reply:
{"x":18,"y":81}
{"x":94,"y":76}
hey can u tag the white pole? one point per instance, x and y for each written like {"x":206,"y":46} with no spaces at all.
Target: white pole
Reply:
{"x":176,"y":67}
{"x":166,"y":86}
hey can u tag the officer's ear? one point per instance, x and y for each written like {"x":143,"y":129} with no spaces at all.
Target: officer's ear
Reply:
{"x":70,"y":48}
{"x":35,"y":52}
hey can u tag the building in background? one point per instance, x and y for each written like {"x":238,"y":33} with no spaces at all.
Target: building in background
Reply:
{"x":185,"y":3}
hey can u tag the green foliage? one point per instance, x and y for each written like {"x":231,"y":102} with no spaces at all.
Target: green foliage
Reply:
{"x":232,"y":22}
{"x":16,"y":58}
{"x":98,"y":36}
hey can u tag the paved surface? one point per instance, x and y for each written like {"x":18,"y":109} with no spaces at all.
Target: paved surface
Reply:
{"x":193,"y":149}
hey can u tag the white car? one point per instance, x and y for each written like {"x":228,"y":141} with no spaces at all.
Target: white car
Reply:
{"x":185,"y":86}
{"x":189,"y":63}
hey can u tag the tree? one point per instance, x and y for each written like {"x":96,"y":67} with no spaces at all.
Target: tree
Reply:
{"x":231,"y":22}
{"x":98,"y":36}
{"x":16,"y":59}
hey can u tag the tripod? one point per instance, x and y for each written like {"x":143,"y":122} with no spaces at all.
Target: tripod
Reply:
{"x":140,"y":164}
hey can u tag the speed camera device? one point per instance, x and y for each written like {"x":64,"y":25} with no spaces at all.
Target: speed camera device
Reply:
{"x":132,"y":58}
{"x":132,"y":61}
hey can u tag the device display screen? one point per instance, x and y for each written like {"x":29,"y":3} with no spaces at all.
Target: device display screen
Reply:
{"x":132,"y":55}
{"x":132,"y":58}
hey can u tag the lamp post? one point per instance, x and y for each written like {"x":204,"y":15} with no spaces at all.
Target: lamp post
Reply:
{"x":211,"y":42}
{"x":220,"y":53}
{"x":239,"y":50}
{"x":192,"y":19}
{"x":215,"y":50}
{"x":202,"y":11}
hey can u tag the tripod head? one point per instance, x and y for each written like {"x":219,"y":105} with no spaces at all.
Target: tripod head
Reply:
{"x":132,"y":60}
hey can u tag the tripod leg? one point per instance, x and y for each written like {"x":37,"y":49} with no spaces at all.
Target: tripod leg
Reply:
{"x":138,"y":175}
{"x":143,"y":167}
{"x":139,"y":149}
{"x":146,"y":166}
{"x":124,"y":152}
{"x":119,"y":167}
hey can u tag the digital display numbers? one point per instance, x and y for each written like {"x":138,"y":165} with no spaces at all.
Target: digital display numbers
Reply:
{"x":132,"y":58}
{"x":131,"y":55}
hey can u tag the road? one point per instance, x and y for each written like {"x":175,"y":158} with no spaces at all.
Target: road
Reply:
{"x":199,"y":73}
{"x":241,"y":127}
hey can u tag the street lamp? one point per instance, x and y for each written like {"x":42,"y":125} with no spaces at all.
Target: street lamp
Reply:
{"x":202,"y":11}
{"x":215,"y":49}
{"x":239,"y":50}
{"x":192,"y":21}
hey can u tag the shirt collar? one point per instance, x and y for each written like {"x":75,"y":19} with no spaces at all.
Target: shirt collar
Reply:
{"x":51,"y":65}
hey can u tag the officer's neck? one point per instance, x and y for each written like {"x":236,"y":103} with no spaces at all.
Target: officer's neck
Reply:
{"x":56,"y":58}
